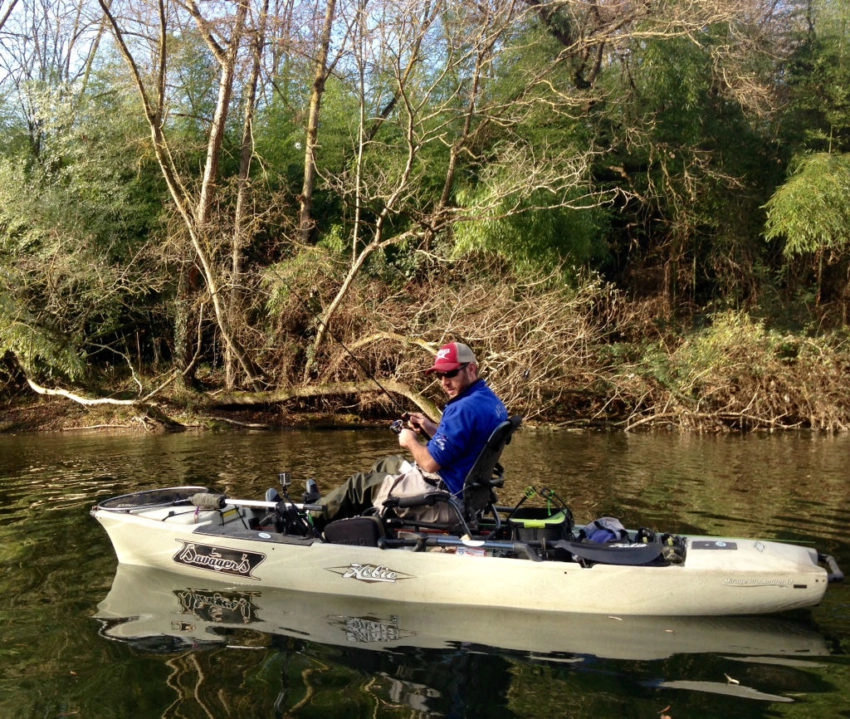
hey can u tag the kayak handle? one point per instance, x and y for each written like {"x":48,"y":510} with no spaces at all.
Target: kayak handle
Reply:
{"x":835,"y":573}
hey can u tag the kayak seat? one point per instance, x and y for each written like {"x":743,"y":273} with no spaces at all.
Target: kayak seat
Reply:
{"x":478,"y":500}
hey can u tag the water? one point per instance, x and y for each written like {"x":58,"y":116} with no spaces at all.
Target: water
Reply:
{"x":65,"y":653}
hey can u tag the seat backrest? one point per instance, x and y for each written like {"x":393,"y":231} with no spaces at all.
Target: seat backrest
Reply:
{"x":487,"y":473}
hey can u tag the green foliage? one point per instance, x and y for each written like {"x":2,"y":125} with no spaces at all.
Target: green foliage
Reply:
{"x":74,"y":225}
{"x":725,"y":343}
{"x":279,"y":144}
{"x":697,"y":137}
{"x":810,"y":211}
{"x":695,"y":161}
{"x":537,"y":238}
{"x":194,"y":74}
{"x":280,"y":138}
{"x":818,"y":81}
{"x":339,"y":119}
{"x":530,"y":197}
{"x":741,"y":373}
{"x":294,"y":285}
{"x":335,"y":240}
{"x":39,"y":351}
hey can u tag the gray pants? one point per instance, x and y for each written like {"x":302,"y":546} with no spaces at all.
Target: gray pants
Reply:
{"x":354,"y":495}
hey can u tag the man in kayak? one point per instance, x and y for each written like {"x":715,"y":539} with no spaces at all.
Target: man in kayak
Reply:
{"x":443,"y":453}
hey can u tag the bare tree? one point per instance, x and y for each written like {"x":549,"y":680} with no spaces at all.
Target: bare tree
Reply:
{"x":242,"y":220}
{"x":439,"y":62}
{"x":223,"y":35}
{"x":48,"y":50}
{"x":6,"y":10}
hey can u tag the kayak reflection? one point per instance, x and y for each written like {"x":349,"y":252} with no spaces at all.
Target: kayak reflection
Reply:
{"x":152,"y":608}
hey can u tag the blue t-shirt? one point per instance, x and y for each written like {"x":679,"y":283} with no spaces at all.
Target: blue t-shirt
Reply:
{"x":467,"y":423}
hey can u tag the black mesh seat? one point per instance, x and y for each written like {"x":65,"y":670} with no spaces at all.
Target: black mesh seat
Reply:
{"x":478,"y":498}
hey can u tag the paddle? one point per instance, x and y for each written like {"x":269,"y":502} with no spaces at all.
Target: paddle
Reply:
{"x":210,"y":500}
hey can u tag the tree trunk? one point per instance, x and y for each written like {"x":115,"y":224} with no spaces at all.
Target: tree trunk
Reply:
{"x":305,"y":199}
{"x":243,"y":193}
{"x":195,"y":214}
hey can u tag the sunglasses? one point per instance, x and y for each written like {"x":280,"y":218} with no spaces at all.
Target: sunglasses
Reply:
{"x":452,"y":374}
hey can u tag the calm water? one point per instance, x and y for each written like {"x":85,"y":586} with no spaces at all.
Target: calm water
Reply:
{"x":81,"y":639}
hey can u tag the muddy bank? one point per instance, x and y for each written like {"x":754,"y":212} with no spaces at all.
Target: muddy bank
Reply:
{"x":50,"y":414}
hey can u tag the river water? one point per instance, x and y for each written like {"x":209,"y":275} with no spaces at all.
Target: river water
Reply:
{"x":81,"y":638}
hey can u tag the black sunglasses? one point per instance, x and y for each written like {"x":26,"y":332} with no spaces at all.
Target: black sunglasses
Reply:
{"x":452,"y":374}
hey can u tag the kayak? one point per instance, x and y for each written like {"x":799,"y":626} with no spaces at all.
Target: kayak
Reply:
{"x":532,"y":559}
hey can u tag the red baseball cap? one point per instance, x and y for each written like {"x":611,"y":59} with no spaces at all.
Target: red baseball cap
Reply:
{"x":451,"y":357}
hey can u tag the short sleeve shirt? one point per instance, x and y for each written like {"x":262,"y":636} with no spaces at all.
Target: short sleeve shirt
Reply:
{"x":467,"y":422}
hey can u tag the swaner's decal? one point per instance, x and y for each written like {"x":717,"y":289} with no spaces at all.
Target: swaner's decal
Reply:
{"x":218,"y":607}
{"x":218,"y":559}
{"x":369,"y":573}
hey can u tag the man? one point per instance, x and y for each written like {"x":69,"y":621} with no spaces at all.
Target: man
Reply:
{"x":471,"y":414}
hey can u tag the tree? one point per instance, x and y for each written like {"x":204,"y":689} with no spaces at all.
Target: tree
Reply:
{"x":818,"y":81}
{"x":323,"y":67}
{"x":441,"y":125}
{"x":46,"y":46}
{"x":242,"y":220}
{"x":76,"y":205}
{"x":810,"y":210}
{"x":194,"y":207}
{"x":680,"y":99}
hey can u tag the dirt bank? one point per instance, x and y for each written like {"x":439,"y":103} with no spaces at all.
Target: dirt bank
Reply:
{"x":55,"y":414}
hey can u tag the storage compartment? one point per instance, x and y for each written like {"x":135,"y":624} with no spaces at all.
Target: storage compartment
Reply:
{"x":365,"y":531}
{"x":535,"y":524}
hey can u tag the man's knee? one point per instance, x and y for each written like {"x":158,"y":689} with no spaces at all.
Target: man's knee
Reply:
{"x":389,"y":465}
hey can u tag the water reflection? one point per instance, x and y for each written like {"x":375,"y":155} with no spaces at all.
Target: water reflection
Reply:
{"x":145,"y":603}
{"x":157,"y":611}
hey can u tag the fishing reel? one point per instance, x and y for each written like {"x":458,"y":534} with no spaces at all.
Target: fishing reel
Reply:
{"x":398,"y":424}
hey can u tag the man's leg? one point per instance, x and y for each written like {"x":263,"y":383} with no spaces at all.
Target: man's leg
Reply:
{"x":354,"y":495}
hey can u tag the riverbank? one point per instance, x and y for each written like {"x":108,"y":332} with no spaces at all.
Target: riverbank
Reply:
{"x":734,"y":375}
{"x":55,"y":414}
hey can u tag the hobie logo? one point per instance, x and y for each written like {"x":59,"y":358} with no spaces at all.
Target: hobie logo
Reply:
{"x":368,"y":573}
{"x":369,"y":631}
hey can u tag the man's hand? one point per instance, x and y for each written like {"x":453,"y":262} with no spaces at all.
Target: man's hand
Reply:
{"x":421,"y":424}
{"x":409,"y":440}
